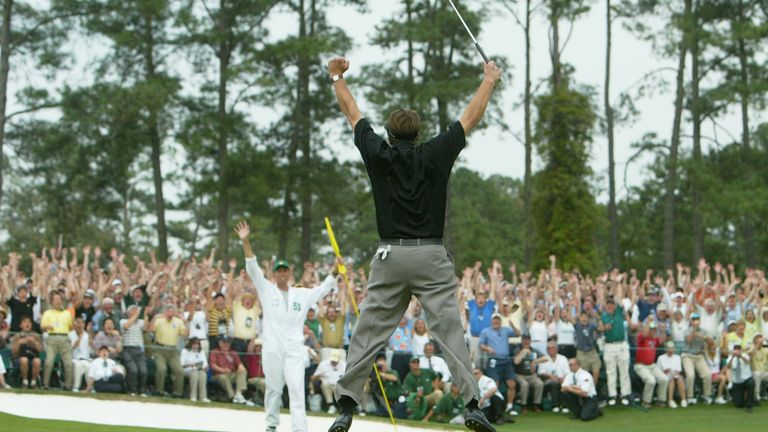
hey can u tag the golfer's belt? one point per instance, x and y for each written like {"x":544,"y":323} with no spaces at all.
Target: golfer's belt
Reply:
{"x":411,"y":242}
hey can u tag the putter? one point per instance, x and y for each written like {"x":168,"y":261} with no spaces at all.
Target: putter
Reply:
{"x":477,"y":45}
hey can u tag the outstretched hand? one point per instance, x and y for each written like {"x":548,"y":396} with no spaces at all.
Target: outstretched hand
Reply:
{"x":492,"y":72}
{"x":338,"y":65}
{"x":243,"y":230}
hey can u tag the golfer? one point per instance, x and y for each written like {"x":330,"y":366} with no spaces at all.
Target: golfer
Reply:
{"x":283,"y":351}
{"x":409,"y":184}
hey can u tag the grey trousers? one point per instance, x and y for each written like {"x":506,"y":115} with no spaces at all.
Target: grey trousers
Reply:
{"x":428,"y":273}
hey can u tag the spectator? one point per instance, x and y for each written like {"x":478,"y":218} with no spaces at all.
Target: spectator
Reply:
{"x":494,"y":341}
{"x":195,"y":365}
{"x":711,"y":314}
{"x":133,"y":349}
{"x":694,"y":362}
{"x":586,"y":332}
{"x":85,"y":308}
{"x":741,"y":376}
{"x":4,"y":327}
{"x":759,"y":355}
{"x":22,"y":305}
{"x":490,"y":401}
{"x":393,"y":389}
{"x":107,"y":311}
{"x":579,"y":394}
{"x":564,"y":332}
{"x":81,"y":352}
{"x":245,"y":316}
{"x":104,"y":376}
{"x":436,"y":363}
{"x":138,"y":296}
{"x":616,"y":353}
{"x":420,"y":337}
{"x":419,"y":379}
{"x":255,"y":371}
{"x":645,"y":366}
{"x":538,"y":329}
{"x":751,"y":326}
{"x":401,"y":346}
{"x":3,"y":384}
{"x":197,"y":323}
{"x":57,"y":322}
{"x":450,"y":409}
{"x":526,"y":360}
{"x":721,"y":377}
{"x":553,"y":370}
{"x":169,"y":331}
{"x":110,"y":338}
{"x":227,"y":368}
{"x":480,"y":311}
{"x":332,"y":324}
{"x":312,"y":322}
{"x":26,"y":347}
{"x":764,"y":328}
{"x":417,"y":405}
{"x":328,"y":373}
{"x":671,"y":365}
{"x":219,"y":314}
{"x":677,"y":330}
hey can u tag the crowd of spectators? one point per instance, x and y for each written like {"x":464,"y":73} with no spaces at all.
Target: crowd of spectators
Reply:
{"x":556,"y":340}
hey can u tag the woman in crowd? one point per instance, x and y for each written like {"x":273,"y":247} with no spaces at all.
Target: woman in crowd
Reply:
{"x":564,"y":331}
{"x":195,"y":365}
{"x":420,"y":337}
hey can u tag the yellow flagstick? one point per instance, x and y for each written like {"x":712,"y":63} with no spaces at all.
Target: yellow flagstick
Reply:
{"x":350,"y":293}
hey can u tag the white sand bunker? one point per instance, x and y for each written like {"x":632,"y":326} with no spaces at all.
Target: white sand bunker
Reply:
{"x":161,"y":415}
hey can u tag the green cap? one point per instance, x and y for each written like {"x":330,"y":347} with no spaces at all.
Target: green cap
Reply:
{"x":280,"y":264}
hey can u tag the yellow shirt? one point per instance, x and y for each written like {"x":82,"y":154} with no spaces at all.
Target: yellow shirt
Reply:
{"x":333,"y":332}
{"x":61,"y":320}
{"x":760,"y":360}
{"x":244,"y":321}
{"x":168,"y":332}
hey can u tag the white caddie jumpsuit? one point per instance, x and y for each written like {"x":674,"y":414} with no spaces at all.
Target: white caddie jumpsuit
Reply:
{"x":283,"y":350}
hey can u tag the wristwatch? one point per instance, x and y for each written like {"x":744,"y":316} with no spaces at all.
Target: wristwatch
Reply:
{"x":337,"y":77}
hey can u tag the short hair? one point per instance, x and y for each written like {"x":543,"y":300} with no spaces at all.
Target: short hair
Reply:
{"x":403,"y":124}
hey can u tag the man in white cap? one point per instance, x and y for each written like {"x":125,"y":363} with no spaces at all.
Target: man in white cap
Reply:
{"x":283,"y":340}
{"x":328,"y":373}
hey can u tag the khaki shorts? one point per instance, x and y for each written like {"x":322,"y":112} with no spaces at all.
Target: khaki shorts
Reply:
{"x":589,"y":360}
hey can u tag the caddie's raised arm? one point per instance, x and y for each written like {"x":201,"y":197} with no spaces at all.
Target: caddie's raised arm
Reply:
{"x":476,"y":108}
{"x":251,"y":264}
{"x":336,"y":68}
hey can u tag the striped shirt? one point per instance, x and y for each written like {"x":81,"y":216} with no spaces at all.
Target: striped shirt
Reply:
{"x":133,"y":336}
{"x":218,"y":321}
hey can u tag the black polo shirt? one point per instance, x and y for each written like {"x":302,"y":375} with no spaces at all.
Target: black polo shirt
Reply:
{"x":409,"y":182}
{"x":19,"y":310}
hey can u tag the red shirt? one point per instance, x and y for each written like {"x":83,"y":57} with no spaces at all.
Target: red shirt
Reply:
{"x":646,"y":349}
{"x":224,"y":359}
{"x":253,"y":365}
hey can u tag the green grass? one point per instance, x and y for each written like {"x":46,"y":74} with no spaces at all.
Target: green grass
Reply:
{"x":699,"y":418}
{"x":14,"y":423}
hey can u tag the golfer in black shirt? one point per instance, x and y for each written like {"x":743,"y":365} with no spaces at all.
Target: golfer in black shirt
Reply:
{"x":410,"y":185}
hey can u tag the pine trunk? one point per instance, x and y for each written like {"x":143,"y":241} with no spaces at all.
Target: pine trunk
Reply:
{"x":697,"y":223}
{"x":613,"y":218}
{"x":670,"y":182}
{"x":5,"y":67}
{"x":156,"y":142}
{"x":527,"y":186}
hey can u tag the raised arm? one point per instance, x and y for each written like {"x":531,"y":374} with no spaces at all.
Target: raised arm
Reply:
{"x":336,"y":67}
{"x":476,"y":108}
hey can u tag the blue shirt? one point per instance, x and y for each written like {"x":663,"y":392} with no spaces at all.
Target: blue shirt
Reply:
{"x":646,"y":308}
{"x":497,"y":339}
{"x":480,"y":317}
{"x":400,"y":341}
